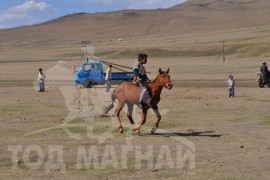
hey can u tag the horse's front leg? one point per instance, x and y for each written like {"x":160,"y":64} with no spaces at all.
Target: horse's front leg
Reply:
{"x":138,"y":126}
{"x":156,"y":111}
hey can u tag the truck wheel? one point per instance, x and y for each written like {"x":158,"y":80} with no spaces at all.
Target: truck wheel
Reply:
{"x":88,"y":84}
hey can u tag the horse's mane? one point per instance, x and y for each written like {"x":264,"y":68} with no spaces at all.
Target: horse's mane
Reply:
{"x":156,"y":78}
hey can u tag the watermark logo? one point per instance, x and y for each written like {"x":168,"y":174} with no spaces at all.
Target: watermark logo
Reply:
{"x":85,"y":108}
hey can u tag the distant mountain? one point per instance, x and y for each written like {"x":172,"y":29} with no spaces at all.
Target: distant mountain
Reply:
{"x":192,"y":16}
{"x":193,"y":28}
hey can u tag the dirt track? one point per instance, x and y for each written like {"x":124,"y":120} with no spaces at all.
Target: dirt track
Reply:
{"x":176,"y":83}
{"x":229,"y":135}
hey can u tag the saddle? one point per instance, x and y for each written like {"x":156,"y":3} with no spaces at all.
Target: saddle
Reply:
{"x":134,"y":84}
{"x":148,"y":89}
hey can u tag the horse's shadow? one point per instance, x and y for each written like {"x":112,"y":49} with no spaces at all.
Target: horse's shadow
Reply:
{"x":192,"y":133}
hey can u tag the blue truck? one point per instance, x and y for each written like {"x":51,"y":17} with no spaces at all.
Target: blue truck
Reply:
{"x":92,"y":73}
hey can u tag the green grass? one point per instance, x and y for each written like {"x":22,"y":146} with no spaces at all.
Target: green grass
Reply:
{"x":266,"y":121}
{"x":240,"y":119}
{"x":106,"y":53}
{"x":66,"y":55}
{"x":12,"y":133}
{"x":157,"y":52}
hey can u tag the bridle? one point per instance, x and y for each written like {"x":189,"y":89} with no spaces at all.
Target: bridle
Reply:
{"x":161,"y":81}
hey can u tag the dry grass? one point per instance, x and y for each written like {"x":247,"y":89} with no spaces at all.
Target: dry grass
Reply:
{"x":230,"y":135}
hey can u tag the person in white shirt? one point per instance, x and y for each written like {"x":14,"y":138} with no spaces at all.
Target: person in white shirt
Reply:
{"x":41,"y":80}
{"x":231,"y":84}
{"x":108,"y":78}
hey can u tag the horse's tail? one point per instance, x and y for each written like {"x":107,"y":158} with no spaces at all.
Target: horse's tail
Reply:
{"x":110,"y":107}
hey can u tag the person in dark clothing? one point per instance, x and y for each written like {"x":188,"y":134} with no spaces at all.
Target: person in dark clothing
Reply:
{"x":141,"y":77}
{"x":265,"y":72}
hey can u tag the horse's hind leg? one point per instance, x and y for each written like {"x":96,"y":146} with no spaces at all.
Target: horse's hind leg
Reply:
{"x":129,"y":113}
{"x":117,"y":113}
{"x":156,"y":111}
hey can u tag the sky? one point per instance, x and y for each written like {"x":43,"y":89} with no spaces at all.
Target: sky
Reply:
{"x":14,"y":13}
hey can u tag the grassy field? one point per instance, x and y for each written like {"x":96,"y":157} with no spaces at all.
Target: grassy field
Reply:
{"x":228,"y":134}
{"x":203,"y":134}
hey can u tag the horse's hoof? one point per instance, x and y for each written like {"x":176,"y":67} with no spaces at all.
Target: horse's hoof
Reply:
{"x":121,"y":130}
{"x":153,"y":130}
{"x":138,"y":131}
{"x":135,"y":129}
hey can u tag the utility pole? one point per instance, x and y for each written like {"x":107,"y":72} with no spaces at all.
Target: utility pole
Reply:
{"x":222,"y":52}
{"x":85,"y":52}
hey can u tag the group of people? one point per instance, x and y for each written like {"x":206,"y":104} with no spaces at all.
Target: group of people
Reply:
{"x":264,"y":72}
{"x":41,"y":79}
{"x":142,"y":80}
{"x":139,"y":72}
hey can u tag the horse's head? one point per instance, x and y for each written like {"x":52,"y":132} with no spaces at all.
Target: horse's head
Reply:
{"x":164,"y":79}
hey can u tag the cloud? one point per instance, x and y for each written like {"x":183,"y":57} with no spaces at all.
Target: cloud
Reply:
{"x":27,"y":13}
{"x":30,"y":6}
{"x":37,"y":11}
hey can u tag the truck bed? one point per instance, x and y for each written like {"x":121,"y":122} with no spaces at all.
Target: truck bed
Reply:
{"x":121,"y":75}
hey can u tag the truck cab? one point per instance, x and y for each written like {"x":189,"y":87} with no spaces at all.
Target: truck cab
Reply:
{"x":89,"y":74}
{"x":92,"y":73}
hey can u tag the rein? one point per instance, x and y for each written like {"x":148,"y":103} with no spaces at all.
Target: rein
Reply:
{"x":161,"y":81}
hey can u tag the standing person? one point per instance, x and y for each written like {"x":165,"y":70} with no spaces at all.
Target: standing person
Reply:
{"x":108,"y":78}
{"x":41,"y":80}
{"x":231,"y":84}
{"x":141,"y":77}
{"x":265,"y":72}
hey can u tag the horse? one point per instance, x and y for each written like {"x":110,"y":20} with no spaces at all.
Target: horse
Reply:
{"x":129,"y":93}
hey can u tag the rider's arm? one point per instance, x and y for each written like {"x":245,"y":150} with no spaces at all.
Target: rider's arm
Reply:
{"x":136,"y":71}
{"x":146,"y":76}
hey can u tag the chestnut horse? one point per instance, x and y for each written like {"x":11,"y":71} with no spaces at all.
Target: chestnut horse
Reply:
{"x":128,"y":93}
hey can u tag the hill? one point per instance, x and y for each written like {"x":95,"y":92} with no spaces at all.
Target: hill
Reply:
{"x":239,"y":21}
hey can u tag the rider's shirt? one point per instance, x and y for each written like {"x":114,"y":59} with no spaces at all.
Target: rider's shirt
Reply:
{"x":139,"y":71}
{"x":140,"y":67}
